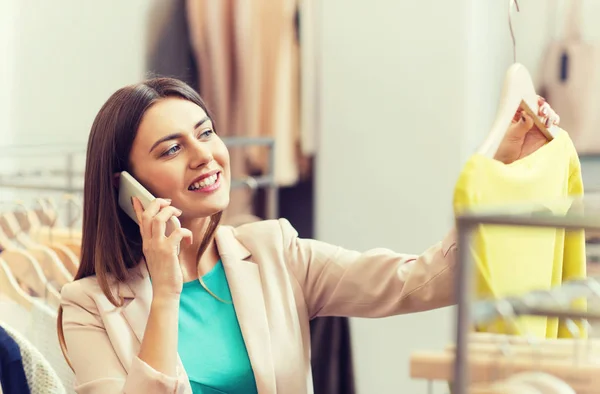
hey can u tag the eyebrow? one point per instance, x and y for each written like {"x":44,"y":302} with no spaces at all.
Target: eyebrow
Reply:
{"x":175,"y":136}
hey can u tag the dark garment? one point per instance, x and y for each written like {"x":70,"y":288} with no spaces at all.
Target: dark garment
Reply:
{"x":12,"y":375}
{"x":331,"y":356}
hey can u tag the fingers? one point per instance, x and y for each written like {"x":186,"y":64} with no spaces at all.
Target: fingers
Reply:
{"x":553,"y":119}
{"x":544,"y":110}
{"x":145,"y":215}
{"x":541,"y":101}
{"x":159,"y":221}
{"x":137,"y":208}
{"x":517,"y":116}
{"x":179,"y":234}
{"x":547,"y":114}
{"x":519,"y":129}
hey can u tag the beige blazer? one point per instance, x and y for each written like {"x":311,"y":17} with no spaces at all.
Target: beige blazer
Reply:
{"x":278,"y":283}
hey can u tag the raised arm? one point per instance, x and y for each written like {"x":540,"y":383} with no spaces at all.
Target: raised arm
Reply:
{"x":376,"y":283}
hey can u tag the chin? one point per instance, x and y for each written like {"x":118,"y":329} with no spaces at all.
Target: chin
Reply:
{"x":205,"y":210}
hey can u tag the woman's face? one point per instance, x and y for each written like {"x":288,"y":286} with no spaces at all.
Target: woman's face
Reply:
{"x":177,"y":155}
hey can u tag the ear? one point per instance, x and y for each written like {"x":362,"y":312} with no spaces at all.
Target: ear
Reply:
{"x":116,"y":178}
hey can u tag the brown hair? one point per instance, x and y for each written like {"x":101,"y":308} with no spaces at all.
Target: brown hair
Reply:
{"x":111,"y":242}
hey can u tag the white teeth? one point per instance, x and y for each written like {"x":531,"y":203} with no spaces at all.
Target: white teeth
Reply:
{"x":204,"y":183}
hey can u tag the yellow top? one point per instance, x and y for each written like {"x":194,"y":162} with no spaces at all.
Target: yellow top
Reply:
{"x":514,"y":260}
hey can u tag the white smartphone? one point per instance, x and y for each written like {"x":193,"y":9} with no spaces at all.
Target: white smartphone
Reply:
{"x":130,"y":187}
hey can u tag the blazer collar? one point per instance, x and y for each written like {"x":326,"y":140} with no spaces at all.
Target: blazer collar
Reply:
{"x":139,"y":284}
{"x":246,"y":289}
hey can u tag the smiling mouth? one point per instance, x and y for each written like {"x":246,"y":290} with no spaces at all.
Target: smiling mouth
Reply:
{"x":206,"y":183}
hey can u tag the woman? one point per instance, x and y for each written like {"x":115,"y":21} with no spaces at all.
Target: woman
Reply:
{"x":230,"y":313}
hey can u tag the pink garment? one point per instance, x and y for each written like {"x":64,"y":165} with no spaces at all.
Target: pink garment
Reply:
{"x":571,"y":83}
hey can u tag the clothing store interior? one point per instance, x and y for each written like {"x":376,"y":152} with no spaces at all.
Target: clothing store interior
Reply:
{"x":414,"y":187}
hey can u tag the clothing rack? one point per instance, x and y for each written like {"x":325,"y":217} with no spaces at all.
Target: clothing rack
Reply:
{"x":73,"y":179}
{"x":584,"y":214}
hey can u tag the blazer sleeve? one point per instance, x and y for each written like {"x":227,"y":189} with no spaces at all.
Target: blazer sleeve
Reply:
{"x":375,"y":283}
{"x":91,"y":353}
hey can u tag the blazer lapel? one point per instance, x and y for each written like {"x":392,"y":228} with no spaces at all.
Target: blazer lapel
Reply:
{"x":137,"y":293}
{"x":246,"y":289}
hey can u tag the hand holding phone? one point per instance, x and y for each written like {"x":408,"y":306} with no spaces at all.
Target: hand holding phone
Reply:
{"x":129,"y":187}
{"x":161,"y":234}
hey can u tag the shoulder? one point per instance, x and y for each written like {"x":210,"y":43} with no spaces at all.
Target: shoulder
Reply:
{"x":80,"y":291}
{"x":88,"y":293}
{"x":265,"y":227}
{"x":264,"y":234}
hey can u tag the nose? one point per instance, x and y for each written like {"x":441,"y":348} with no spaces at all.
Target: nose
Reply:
{"x":200,"y":154}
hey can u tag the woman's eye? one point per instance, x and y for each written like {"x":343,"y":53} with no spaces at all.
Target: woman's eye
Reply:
{"x":206,"y":133}
{"x":174,"y":149}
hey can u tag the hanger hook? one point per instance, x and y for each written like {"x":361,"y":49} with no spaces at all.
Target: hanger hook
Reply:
{"x":510,"y":26}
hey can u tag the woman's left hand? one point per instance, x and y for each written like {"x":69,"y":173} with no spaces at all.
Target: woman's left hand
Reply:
{"x":523,"y":137}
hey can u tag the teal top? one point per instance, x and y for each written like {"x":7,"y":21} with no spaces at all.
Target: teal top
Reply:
{"x":210,"y":345}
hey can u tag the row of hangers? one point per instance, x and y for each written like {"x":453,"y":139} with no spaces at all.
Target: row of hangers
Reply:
{"x":520,"y":364}
{"x":37,"y":257}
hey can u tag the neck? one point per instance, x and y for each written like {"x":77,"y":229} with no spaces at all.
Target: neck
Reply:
{"x":190,"y":266}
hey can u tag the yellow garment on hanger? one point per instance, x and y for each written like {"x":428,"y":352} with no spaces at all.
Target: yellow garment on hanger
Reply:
{"x":514,"y":260}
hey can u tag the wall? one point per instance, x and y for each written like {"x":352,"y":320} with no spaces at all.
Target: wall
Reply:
{"x":60,"y":62}
{"x":409,"y":91}
{"x":69,"y":57}
{"x":392,"y":125}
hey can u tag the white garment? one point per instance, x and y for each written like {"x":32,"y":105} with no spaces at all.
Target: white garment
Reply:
{"x":39,"y":328}
{"x":14,"y":315}
{"x":41,"y":377}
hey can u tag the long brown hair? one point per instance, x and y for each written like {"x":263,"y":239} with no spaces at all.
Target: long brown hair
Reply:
{"x":111,"y":243}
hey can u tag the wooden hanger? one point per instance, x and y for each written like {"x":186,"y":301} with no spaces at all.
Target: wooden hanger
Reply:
{"x":10,"y":287}
{"x":48,"y":232}
{"x":30,"y":275}
{"x":517,"y":91}
{"x":51,"y":265}
{"x":30,"y":224}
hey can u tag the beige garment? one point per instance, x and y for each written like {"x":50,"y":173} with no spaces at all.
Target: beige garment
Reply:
{"x":210,"y":23}
{"x":273,"y":26}
{"x":211,"y":27}
{"x":575,"y":98}
{"x":278,"y":283}
{"x":309,"y":76}
{"x":249,"y":66}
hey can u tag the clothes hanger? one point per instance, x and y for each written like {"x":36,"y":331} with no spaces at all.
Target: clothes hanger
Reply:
{"x":52,"y":266}
{"x":10,"y":287}
{"x":517,"y":91}
{"x":48,"y":232}
{"x":30,"y":224}
{"x":28,"y":273}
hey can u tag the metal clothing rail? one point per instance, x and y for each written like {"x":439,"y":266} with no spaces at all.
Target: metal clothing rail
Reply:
{"x":583,"y":215}
{"x":549,"y":303}
{"x":73,"y":178}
